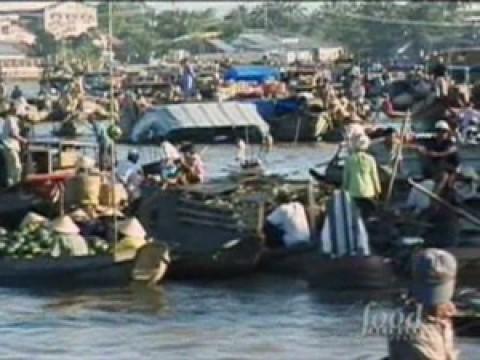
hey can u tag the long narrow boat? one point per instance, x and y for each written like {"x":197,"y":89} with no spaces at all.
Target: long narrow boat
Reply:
{"x":149,"y":265}
{"x":68,"y":272}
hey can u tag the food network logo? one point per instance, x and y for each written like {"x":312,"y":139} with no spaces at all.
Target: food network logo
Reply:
{"x":393,"y":323}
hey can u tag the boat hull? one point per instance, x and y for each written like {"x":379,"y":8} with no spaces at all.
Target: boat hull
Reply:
{"x":372,"y":272}
{"x":199,"y":238}
{"x":85,"y":271}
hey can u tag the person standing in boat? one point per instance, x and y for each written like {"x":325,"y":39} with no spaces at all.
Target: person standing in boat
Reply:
{"x":130,"y":174}
{"x":103,"y":140}
{"x":188,"y":81}
{"x":12,"y":141}
{"x":287,"y":225}
{"x":431,"y":292}
{"x":442,"y":157}
{"x":360,"y":177}
{"x":16,"y":93}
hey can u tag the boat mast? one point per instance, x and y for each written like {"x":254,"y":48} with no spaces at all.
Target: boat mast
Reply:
{"x":112,"y":120}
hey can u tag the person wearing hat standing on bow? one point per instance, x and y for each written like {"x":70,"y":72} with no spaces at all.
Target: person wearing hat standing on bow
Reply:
{"x":70,"y":240}
{"x":431,"y":290}
{"x":132,"y":237}
{"x":360,"y":177}
{"x":442,"y":157}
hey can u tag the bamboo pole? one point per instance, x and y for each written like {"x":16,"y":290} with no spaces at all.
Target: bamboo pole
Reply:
{"x":112,"y":121}
{"x":459,"y":211}
{"x":398,"y":157}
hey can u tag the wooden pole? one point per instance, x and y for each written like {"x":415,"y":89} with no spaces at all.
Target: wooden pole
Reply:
{"x":397,"y":159}
{"x":311,"y":207}
{"x":112,"y":121}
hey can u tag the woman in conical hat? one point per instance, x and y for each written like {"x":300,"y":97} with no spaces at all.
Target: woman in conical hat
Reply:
{"x":133,"y":238}
{"x":69,"y":232}
{"x":33,"y":218}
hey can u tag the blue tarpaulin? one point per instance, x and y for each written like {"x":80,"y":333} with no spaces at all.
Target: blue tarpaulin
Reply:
{"x":252,"y":74}
{"x":269,"y":110}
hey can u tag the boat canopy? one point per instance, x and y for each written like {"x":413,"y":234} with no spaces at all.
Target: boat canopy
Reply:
{"x":252,"y":74}
{"x":167,"y":120}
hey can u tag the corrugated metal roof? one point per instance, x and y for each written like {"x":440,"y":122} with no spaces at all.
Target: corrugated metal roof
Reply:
{"x":167,"y":118}
{"x":221,"y":45}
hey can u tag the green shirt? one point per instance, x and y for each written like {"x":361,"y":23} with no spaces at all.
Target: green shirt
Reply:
{"x":360,"y":176}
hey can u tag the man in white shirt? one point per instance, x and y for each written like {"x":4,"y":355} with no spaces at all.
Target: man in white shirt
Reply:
{"x":287,"y":224}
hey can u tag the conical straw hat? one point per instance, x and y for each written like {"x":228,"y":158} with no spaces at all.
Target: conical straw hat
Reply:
{"x":79,"y":215}
{"x":64,"y":225}
{"x":33,"y":218}
{"x":132,"y":227}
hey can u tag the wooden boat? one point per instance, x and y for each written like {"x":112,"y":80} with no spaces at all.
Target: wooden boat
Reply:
{"x":205,"y":242}
{"x":305,"y":126}
{"x":64,"y":272}
{"x":49,"y":164}
{"x":365,"y":272}
{"x":82,"y":271}
{"x":305,"y":123}
{"x":372,"y":272}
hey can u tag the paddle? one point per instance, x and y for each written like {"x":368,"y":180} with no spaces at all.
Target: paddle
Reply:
{"x":459,"y":211}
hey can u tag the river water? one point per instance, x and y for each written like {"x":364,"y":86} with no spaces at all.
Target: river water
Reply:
{"x":257,"y":317}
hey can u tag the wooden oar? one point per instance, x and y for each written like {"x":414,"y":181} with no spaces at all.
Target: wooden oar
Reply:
{"x":459,"y":211}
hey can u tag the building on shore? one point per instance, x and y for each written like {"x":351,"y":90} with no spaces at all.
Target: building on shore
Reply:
{"x":61,"y":19}
{"x":20,"y":21}
{"x":255,"y":46}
